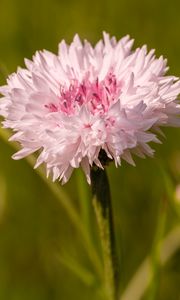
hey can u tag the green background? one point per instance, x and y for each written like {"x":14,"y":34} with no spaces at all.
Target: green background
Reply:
{"x":45,"y":252}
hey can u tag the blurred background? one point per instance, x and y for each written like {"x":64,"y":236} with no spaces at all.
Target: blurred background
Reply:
{"x":49,"y":246}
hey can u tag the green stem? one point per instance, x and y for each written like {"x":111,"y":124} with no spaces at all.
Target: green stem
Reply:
{"x":103,"y":212}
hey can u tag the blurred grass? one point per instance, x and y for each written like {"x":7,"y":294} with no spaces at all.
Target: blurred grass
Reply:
{"x":45,"y":253}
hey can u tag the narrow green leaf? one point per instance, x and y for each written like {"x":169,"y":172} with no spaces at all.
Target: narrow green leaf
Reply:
{"x":142,"y":278}
{"x":155,"y":252}
{"x":66,"y":203}
{"x":2,"y":196}
{"x":74,"y":266}
{"x":84,"y":199}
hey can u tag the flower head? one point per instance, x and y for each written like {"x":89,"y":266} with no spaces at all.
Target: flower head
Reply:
{"x":86,"y":100}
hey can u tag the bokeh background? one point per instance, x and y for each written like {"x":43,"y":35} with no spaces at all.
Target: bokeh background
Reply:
{"x":49,"y":246}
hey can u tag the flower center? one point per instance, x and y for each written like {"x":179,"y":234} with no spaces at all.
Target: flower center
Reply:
{"x":97,"y":95}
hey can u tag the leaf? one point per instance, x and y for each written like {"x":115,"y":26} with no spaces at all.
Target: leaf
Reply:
{"x":75,"y":267}
{"x":140,"y":281}
{"x":66,"y":203}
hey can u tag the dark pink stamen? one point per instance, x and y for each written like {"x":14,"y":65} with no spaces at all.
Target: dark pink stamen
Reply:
{"x":97,"y":95}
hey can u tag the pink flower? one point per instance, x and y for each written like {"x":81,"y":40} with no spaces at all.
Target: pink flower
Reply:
{"x":85,"y":100}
